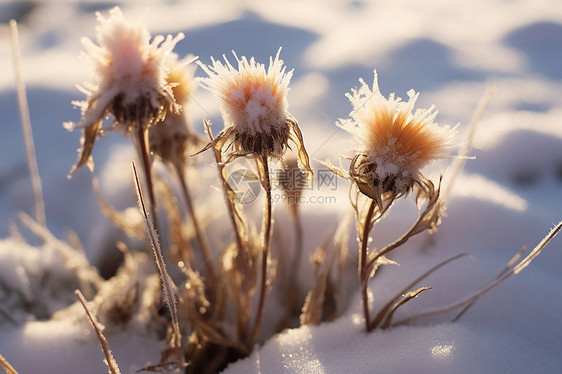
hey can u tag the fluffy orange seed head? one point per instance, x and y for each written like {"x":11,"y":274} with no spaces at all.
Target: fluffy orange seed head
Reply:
{"x":397,"y":143}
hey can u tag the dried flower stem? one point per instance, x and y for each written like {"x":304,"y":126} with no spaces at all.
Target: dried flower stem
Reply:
{"x":365,"y":274}
{"x":109,"y":359}
{"x":267,"y":222}
{"x":39,"y":202}
{"x":293,"y":292}
{"x":238,"y":233}
{"x":167,"y":283}
{"x":243,"y":305}
{"x":144,"y":154}
{"x":199,"y":231}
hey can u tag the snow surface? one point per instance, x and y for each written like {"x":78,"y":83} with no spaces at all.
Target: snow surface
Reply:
{"x":507,"y":197}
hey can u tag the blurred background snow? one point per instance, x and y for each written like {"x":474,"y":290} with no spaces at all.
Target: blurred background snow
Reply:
{"x":508,"y":196}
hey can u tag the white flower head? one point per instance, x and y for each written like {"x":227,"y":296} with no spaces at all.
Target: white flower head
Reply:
{"x":254,"y":107}
{"x":129,"y":79}
{"x":394,"y":144}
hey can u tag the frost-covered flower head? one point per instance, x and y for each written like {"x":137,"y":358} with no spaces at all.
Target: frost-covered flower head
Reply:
{"x":394,"y":144}
{"x":254,"y":107}
{"x":172,"y":138}
{"x":129,"y":79}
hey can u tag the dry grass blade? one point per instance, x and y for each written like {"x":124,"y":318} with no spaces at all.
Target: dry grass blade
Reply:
{"x":312,"y":309}
{"x":462,"y":156}
{"x":109,"y":359}
{"x":506,"y":270}
{"x":27,"y":132}
{"x":167,"y":284}
{"x":405,"y":298}
{"x":9,"y":368}
{"x":385,"y":309}
{"x":504,"y":275}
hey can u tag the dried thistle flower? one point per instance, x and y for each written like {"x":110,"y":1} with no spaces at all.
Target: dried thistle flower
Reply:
{"x":254,"y":108}
{"x":129,"y":82}
{"x":172,"y":139}
{"x":393,"y":144}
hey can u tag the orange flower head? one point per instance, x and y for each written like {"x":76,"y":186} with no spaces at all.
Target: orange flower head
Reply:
{"x":253,"y":102}
{"x":393,"y":144}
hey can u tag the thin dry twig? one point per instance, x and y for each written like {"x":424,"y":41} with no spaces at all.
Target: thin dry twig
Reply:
{"x":98,"y":328}
{"x":504,"y":275}
{"x":405,"y":298}
{"x":385,"y":309}
{"x":462,"y":156}
{"x":9,"y":368}
{"x":39,"y":202}
{"x":167,"y":283}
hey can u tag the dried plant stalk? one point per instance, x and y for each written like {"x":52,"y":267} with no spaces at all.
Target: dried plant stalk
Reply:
{"x":243,"y":256}
{"x":462,"y":156}
{"x":98,"y":328}
{"x":364,"y":275}
{"x":312,"y":310}
{"x":405,"y":298}
{"x":9,"y":368}
{"x":167,"y":283}
{"x":263,"y":167}
{"x":39,"y":202}
{"x":144,"y":154}
{"x":389,"y":305}
{"x":199,"y":231}
{"x":514,"y":269}
{"x":238,"y":225}
{"x":427,"y":220}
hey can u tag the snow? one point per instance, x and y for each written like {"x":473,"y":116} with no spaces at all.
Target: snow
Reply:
{"x":507,"y":197}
